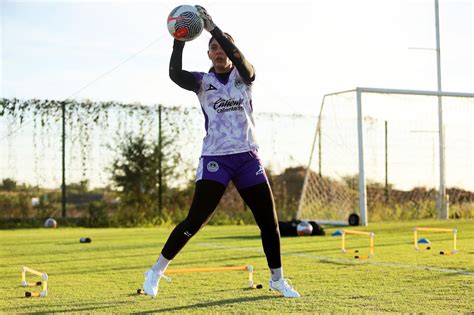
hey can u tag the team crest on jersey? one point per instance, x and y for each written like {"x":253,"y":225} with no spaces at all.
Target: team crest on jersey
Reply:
{"x":238,"y":83}
{"x":212,"y":166}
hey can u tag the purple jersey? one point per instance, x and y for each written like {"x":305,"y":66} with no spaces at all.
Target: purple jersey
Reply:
{"x":227,"y":108}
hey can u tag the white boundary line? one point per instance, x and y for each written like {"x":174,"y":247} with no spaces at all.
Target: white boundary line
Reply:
{"x":344,"y":260}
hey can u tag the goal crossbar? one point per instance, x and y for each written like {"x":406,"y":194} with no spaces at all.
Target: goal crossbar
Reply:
{"x":359,"y":91}
{"x":403,"y":92}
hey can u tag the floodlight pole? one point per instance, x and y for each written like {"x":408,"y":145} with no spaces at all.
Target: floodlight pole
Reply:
{"x":442,"y":204}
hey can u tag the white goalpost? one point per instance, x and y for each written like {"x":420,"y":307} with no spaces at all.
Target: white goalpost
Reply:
{"x":376,"y":148}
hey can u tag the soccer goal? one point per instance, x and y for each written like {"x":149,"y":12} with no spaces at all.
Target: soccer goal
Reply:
{"x":378,"y":149}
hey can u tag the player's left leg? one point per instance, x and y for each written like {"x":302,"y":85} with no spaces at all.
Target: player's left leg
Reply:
{"x":259,"y":198}
{"x":252,"y":184}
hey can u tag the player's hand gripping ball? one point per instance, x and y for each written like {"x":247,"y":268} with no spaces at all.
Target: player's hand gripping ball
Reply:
{"x":208,"y":23}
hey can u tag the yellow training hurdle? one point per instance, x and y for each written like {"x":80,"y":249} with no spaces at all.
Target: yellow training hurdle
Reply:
{"x":354,"y":232}
{"x":428,"y":229}
{"x":24,"y":283}
{"x":248,"y":268}
{"x":217,"y":269}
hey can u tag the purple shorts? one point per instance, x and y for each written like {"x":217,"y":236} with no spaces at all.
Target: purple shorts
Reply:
{"x":244,"y":169}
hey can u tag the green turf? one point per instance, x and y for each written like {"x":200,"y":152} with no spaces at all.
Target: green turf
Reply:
{"x":102,"y":277}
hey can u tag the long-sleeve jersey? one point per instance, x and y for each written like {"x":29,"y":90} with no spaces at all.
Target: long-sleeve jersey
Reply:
{"x":187,"y":81}
{"x":226,"y":100}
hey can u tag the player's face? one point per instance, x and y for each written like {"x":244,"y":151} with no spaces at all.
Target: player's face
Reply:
{"x":219,"y":59}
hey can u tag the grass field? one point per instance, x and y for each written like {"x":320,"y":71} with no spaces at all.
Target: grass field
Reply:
{"x":102,"y":277}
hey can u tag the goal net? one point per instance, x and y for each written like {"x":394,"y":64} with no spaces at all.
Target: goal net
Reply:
{"x":379,"y":153}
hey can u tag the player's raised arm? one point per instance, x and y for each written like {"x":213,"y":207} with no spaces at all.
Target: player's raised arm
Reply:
{"x":184,"y":79}
{"x":245,"y":68}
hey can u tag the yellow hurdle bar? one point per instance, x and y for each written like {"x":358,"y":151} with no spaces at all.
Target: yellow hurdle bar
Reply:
{"x":217,"y":269}
{"x":31,"y":284}
{"x":433,"y":229}
{"x":357,"y":232}
{"x":428,"y":229}
{"x":211,"y":269}
{"x":26,"y":269}
{"x":24,"y":283}
{"x":32,"y":294}
{"x":370,"y":234}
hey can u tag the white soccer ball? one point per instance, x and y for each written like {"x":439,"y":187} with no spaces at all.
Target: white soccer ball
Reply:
{"x":304,"y":228}
{"x":50,"y":223}
{"x":184,"y":23}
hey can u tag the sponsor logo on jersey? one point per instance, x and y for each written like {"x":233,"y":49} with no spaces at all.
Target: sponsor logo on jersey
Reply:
{"x":229,"y":105}
{"x":211,"y":87}
{"x":212,"y":166}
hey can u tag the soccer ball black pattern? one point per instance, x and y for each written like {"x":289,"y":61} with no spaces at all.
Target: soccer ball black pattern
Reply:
{"x":184,"y":23}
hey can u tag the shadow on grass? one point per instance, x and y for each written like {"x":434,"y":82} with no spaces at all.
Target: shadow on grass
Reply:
{"x":204,"y":262}
{"x":54,"y":309}
{"x":340,"y":263}
{"x":193,"y":307}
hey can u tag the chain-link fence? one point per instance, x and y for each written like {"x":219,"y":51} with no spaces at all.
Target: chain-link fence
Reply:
{"x":34,"y":158}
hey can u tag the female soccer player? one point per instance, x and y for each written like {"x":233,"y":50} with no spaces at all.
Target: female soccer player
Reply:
{"x":229,"y":152}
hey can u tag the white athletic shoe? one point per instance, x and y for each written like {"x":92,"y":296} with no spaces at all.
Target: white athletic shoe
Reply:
{"x":284,"y":288}
{"x":152,"y":280}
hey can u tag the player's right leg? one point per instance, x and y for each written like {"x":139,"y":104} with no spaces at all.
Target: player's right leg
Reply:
{"x":207,"y":195}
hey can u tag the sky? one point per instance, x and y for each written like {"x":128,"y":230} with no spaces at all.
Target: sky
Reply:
{"x":301,"y":50}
